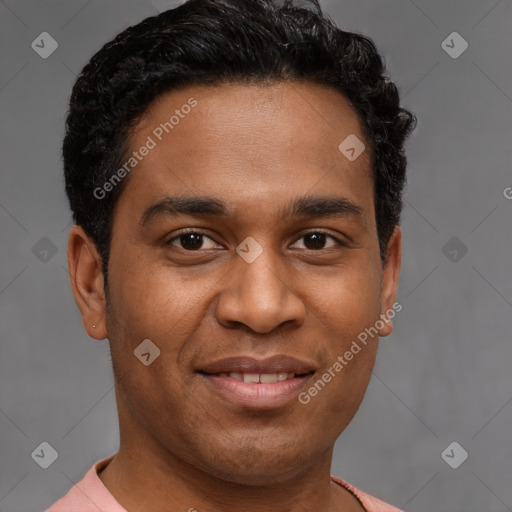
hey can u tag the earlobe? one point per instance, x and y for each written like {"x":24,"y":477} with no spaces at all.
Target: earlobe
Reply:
{"x":86,"y":280}
{"x":389,"y":284}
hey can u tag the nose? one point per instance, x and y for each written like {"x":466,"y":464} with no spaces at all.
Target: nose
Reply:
{"x":260,"y":295}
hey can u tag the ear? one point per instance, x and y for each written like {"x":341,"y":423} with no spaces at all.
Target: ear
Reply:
{"x":389,"y":283}
{"x":86,"y":278}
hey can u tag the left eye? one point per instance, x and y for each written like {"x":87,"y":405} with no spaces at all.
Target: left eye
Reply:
{"x":317,"y":239}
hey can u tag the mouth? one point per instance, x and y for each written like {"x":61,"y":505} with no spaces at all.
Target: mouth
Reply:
{"x":258,"y":378}
{"x":257,"y":384}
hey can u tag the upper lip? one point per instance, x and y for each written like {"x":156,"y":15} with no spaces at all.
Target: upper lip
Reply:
{"x":248,"y":364}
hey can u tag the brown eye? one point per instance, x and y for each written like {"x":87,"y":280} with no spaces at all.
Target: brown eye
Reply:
{"x":316,"y":241}
{"x":191,"y":241}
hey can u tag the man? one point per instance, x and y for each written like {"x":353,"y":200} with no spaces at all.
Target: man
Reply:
{"x":235,"y":172}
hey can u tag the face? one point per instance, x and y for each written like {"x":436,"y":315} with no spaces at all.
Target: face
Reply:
{"x":274,"y":271}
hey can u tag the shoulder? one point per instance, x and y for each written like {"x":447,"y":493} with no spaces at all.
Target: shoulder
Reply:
{"x":370,"y":503}
{"x":88,"y":495}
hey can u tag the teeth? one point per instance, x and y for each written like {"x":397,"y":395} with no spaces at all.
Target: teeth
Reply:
{"x":268,"y":378}
{"x":263,"y":378}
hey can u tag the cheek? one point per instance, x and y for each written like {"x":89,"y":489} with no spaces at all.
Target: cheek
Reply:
{"x":158,"y":304}
{"x":348,"y":309}
{"x":151,"y":300}
{"x":349,"y":301}
{"x":336,"y":393}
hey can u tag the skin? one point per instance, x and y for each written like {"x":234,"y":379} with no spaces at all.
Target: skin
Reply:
{"x":183,"y":446}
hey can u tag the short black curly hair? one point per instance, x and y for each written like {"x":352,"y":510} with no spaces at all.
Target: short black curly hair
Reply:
{"x":218,"y":42}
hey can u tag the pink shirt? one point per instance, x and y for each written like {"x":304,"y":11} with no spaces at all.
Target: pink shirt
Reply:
{"x":90,"y":495}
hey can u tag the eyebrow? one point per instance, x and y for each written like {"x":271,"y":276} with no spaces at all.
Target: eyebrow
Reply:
{"x":204,"y":206}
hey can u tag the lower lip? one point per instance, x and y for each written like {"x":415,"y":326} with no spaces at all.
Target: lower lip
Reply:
{"x":257,"y":396}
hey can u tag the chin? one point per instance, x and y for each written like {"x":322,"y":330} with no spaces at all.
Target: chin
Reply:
{"x":258,"y":466}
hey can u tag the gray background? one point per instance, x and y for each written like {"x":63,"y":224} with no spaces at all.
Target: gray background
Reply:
{"x":444,"y":375}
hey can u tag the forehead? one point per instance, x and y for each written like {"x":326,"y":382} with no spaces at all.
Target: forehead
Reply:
{"x":246,"y":141}
{"x":311,"y":118}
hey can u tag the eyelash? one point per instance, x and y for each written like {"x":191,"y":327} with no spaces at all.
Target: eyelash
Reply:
{"x":338,"y":242}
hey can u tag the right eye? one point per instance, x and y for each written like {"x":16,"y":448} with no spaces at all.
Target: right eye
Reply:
{"x":190,"y":240}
